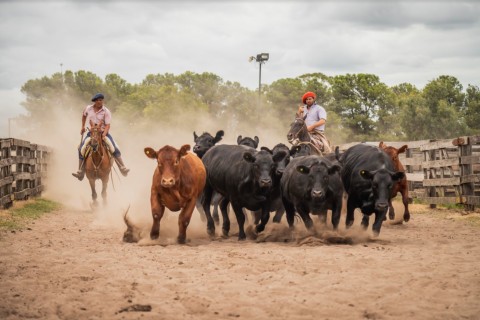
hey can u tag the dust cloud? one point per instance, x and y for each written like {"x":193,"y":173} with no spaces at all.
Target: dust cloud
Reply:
{"x":132,"y":136}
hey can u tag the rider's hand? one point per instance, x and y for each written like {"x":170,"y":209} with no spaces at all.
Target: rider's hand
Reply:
{"x":82,"y":131}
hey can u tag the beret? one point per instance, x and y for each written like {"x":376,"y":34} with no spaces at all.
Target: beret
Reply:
{"x":308,"y":95}
{"x":98,"y":96}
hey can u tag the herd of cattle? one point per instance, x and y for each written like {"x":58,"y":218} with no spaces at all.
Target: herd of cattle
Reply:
{"x":291,"y":181}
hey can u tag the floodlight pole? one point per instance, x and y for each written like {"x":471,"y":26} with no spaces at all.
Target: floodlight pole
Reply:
{"x":260,"y":58}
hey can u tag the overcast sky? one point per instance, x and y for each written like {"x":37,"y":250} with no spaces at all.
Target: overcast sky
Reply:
{"x":404,"y":41}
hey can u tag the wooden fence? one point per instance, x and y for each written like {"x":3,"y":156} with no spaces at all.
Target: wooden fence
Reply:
{"x":441,"y":171}
{"x":23,"y":165}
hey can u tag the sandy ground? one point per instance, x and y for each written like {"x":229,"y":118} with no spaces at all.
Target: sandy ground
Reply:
{"x":73,"y":265}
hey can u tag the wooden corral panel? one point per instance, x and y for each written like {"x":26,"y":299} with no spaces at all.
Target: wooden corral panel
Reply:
{"x":22,"y":167}
{"x":441,"y":171}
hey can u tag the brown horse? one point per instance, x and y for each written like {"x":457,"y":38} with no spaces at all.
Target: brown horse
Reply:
{"x":98,"y":163}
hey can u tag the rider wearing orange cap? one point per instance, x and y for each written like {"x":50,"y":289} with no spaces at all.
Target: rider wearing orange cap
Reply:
{"x":315,"y":118}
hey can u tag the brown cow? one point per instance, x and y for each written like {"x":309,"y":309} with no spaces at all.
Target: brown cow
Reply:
{"x":177,"y":182}
{"x":401,"y":186}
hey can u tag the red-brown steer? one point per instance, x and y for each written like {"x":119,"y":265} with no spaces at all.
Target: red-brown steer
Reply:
{"x":401,"y":186}
{"x":177,"y":182}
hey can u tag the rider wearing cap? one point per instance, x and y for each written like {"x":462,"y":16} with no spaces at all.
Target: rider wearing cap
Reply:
{"x":315,"y":118}
{"x":98,"y":113}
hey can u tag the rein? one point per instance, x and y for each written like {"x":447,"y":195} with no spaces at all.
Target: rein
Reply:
{"x":295,"y":140}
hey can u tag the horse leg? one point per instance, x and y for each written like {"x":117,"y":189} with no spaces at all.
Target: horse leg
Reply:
{"x":104,"y":189}
{"x":94,"y":192}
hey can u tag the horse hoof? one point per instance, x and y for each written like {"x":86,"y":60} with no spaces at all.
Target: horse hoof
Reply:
{"x":181,"y":240}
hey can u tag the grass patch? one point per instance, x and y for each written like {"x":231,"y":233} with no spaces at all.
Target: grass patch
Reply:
{"x":17,"y":217}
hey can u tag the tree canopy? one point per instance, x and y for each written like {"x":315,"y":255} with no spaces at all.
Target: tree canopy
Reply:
{"x":360,"y":107}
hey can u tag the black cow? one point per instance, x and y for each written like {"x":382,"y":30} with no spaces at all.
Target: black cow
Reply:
{"x":312,"y":184}
{"x":202,"y":143}
{"x":205,"y":141}
{"x":303,"y":149}
{"x":276,"y":197}
{"x":244,"y":177}
{"x":247,"y":141}
{"x":368,"y":177}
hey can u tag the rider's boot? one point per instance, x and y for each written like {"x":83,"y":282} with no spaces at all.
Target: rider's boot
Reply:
{"x":123,"y":169}
{"x":81,"y":170}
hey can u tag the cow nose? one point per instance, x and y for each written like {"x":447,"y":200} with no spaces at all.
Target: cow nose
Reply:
{"x":317,"y":193}
{"x":168,"y":182}
{"x":382,"y":206}
{"x":265,"y":182}
{"x":280,"y":171}
{"x":195,"y":148}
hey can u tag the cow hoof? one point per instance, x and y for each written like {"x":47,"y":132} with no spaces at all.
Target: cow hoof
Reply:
{"x":154,"y":235}
{"x":391,"y":216}
{"x":225,"y":233}
{"x":211,"y":233}
{"x":259,"y":228}
{"x":406,"y":218}
{"x":242,"y":237}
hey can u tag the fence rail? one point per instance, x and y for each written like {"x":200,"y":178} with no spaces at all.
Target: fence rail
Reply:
{"x":441,"y":171}
{"x":23,"y":166}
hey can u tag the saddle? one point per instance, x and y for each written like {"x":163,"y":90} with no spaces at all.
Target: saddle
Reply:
{"x":86,"y":148}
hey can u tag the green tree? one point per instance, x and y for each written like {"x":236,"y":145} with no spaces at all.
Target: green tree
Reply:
{"x":472,"y":108}
{"x":445,"y":100}
{"x":365,"y":105}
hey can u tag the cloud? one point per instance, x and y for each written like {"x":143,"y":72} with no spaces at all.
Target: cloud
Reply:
{"x":403,"y":41}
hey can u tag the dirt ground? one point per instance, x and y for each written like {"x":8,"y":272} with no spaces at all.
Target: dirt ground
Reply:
{"x":72,"y":264}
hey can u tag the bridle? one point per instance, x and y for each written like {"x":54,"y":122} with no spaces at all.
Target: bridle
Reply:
{"x":295,"y":140}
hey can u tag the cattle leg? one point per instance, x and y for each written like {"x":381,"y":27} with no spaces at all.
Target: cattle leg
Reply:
{"x":406,"y":214}
{"x":184,"y":221}
{"x":305,"y":215}
{"x":377,"y":225}
{"x":278,"y":215}
{"x":207,"y":198}
{"x":240,"y":220}
{"x":391,"y":210}
{"x":289,"y":212}
{"x":350,"y":213}
{"x":157,"y":214}
{"x":199,"y":207}
{"x":336,"y":213}
{"x":216,"y":199}
{"x":264,"y":220}
{"x":226,"y":219}
{"x":366,"y":221}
